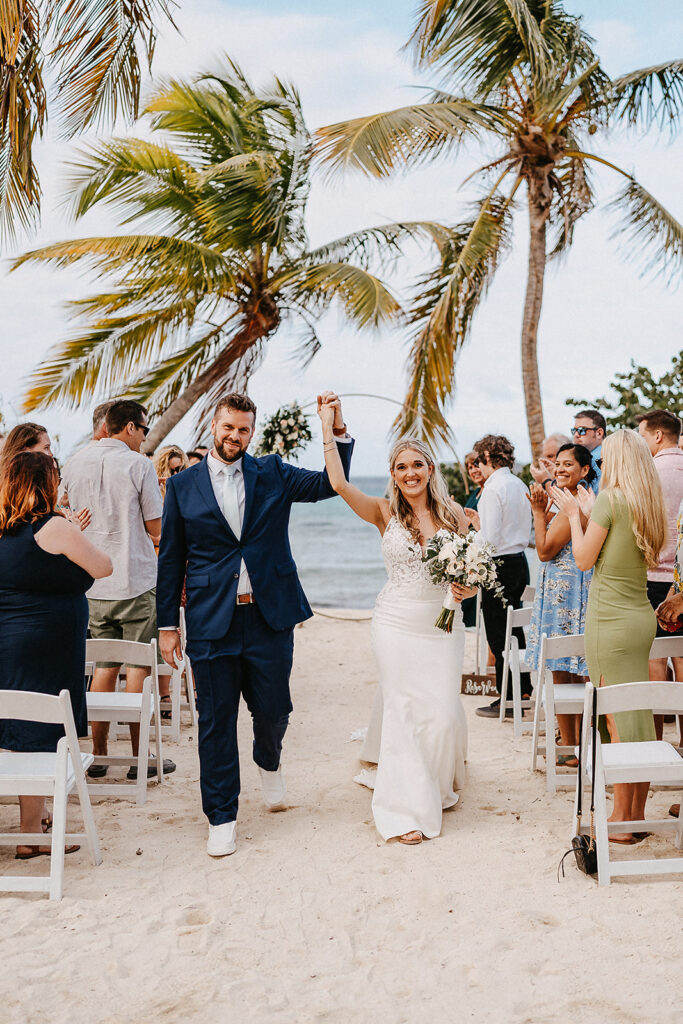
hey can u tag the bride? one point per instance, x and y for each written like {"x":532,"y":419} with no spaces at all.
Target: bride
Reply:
{"x":423,"y":743}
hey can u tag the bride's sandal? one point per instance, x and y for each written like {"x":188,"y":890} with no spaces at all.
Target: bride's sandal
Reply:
{"x":411,"y":838}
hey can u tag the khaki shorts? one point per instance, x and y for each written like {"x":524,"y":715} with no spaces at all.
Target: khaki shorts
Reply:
{"x":133,"y":618}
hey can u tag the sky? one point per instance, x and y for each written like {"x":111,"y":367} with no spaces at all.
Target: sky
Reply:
{"x":346,"y":60}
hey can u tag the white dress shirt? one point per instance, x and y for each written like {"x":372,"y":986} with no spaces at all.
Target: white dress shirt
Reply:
{"x":217,"y":471}
{"x":504,"y":513}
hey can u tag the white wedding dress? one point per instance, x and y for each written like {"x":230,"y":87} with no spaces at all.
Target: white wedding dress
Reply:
{"x":418,"y":731}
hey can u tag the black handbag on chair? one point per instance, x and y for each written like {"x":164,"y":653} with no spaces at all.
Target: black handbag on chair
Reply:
{"x":583,"y":847}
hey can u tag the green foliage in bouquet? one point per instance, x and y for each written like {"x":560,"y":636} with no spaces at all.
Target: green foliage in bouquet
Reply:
{"x":285,"y":433}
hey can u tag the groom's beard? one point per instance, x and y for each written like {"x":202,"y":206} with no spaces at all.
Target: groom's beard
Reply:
{"x":229,"y":454}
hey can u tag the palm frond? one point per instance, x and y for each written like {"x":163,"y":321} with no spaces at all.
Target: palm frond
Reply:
{"x":575,"y":198}
{"x":23,"y":112}
{"x":366,"y":301}
{"x":656,"y":236}
{"x":408,"y":136}
{"x":650,"y":96}
{"x":96,"y":46}
{"x":443,"y":312}
{"x":190,"y":267}
{"x":102,"y":357}
{"x":380,"y":245}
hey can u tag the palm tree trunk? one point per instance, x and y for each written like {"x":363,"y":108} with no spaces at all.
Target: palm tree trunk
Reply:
{"x":539,"y":204}
{"x":177,"y":409}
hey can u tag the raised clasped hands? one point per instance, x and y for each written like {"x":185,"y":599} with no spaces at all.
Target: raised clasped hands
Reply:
{"x":327,"y":401}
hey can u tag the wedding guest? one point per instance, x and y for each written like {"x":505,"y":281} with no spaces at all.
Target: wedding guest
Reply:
{"x":25,"y":437}
{"x":562,"y":588}
{"x":167,"y":462}
{"x":194,"y":457}
{"x":590,"y":429}
{"x":543,"y":472}
{"x":46,"y":566}
{"x":623,"y":539}
{"x":469,"y":605}
{"x":670,"y":613}
{"x":423,"y":735}
{"x":122,"y":488}
{"x":503,"y":519}
{"x":661,"y":431}
{"x":99,"y":420}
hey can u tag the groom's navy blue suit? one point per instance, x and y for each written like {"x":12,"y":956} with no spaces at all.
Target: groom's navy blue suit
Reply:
{"x":236,"y":648}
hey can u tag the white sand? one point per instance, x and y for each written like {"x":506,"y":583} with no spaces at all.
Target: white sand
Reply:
{"x":314,"y":919}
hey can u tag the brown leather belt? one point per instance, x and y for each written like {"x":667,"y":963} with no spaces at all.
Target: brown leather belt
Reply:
{"x":246,"y":599}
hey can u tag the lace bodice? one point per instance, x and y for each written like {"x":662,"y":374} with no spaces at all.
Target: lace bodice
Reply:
{"x":403,"y":561}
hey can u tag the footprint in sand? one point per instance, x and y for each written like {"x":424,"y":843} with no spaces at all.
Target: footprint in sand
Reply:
{"x":193,"y":917}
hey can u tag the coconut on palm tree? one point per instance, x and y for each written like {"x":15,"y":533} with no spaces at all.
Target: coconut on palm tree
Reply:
{"x":221,"y":189}
{"x":521,"y":75}
{"x":92,"y":49}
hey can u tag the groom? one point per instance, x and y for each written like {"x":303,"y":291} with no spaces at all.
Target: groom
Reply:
{"x":224,"y":532}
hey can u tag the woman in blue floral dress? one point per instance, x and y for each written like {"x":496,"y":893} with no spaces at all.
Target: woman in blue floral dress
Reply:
{"x":562,"y":589}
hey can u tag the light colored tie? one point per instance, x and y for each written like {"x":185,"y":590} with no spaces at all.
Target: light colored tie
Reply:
{"x":231,"y":505}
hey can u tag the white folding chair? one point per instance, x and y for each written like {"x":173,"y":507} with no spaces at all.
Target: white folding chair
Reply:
{"x":128,"y":707}
{"x":654,"y":761}
{"x":480,"y":642}
{"x":528,"y":595}
{"x":51,"y":775}
{"x":512,"y":663}
{"x":555,"y":699}
{"x":187,"y":671}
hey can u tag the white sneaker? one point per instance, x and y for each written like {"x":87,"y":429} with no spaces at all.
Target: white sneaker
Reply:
{"x":221,"y":840}
{"x":274,"y":789}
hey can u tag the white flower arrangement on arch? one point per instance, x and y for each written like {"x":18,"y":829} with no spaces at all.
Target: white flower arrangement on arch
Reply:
{"x":285,"y":433}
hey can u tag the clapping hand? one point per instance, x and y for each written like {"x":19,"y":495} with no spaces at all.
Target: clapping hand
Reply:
{"x":538,"y":498}
{"x":472,"y":517}
{"x":572,"y":505}
{"x":544,"y":470}
{"x":83,"y":518}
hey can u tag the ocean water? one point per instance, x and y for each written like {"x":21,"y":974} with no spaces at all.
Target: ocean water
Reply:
{"x":339,"y":557}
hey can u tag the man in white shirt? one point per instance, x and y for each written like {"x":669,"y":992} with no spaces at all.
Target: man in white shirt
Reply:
{"x":504,"y":520}
{"x":120,"y":487}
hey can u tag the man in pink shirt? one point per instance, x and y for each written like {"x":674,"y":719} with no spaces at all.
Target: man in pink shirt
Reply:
{"x":662,"y":430}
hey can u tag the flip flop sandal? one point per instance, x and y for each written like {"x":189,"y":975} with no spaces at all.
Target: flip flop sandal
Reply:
{"x":37,"y":852}
{"x":166,"y":715}
{"x":639,"y":836}
{"x":623,"y":842}
{"x":411,"y":842}
{"x":97,"y":771}
{"x":567,"y":761}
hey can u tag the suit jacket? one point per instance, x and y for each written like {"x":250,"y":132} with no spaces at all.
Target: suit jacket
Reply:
{"x":198,"y":546}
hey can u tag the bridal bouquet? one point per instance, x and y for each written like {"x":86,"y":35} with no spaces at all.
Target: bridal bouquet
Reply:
{"x":453,"y":558}
{"x":284,"y":433}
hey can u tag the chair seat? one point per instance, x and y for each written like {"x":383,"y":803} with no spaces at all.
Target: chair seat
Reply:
{"x":657,"y":753}
{"x":565,"y":692}
{"x":128,"y":706}
{"x":17,"y":767}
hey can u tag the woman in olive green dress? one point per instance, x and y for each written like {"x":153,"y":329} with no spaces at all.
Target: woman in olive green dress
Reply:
{"x":623,"y":538}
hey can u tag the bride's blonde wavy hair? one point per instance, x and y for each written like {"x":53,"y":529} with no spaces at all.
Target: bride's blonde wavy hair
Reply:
{"x":438,"y":499}
{"x":628,"y":469}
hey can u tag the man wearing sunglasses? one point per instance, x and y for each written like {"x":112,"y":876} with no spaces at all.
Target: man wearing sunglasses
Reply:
{"x":589,"y":430}
{"x":120,"y":487}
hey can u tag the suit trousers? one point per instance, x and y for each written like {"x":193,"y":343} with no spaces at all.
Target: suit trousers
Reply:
{"x":513,"y":576}
{"x":254,"y":661}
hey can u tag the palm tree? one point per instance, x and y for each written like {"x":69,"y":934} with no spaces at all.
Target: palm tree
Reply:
{"x":523,"y":75}
{"x":93,"y":49}
{"x":224,"y":181}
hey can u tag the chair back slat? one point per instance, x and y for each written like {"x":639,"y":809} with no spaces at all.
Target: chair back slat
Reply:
{"x":572,"y":645}
{"x":640,"y":696}
{"x":520,"y":617}
{"x":27,"y":706}
{"x":667,"y":647}
{"x":121,"y":652}
{"x":528,"y":595}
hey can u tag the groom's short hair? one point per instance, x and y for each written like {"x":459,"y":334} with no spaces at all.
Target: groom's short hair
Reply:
{"x":236,"y":401}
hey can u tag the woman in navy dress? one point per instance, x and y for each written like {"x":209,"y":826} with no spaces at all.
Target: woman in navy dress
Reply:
{"x":46,"y":566}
